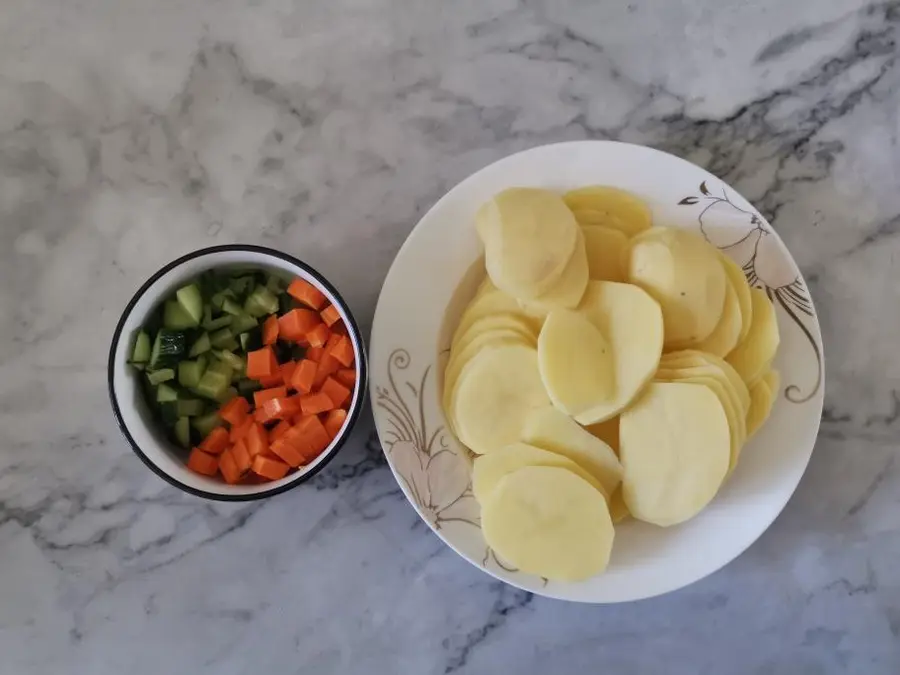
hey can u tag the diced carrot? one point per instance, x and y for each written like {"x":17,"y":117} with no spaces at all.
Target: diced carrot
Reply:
{"x":235,"y":411}
{"x":303,"y":377}
{"x":330,"y":315}
{"x":270,"y":330}
{"x":280,"y":430}
{"x":239,"y":431}
{"x":261,"y":363}
{"x":203,"y":463}
{"x":257,"y":440}
{"x":315,"y":436}
{"x":328,"y":365}
{"x":346,"y":376}
{"x":313,"y":404}
{"x":215,"y":442}
{"x":241,"y":456}
{"x":343,"y":351}
{"x":334,"y":390}
{"x":263,"y":395}
{"x":269,"y":382}
{"x":272,"y":469}
{"x":297,"y":323}
{"x":332,"y":342}
{"x":306,"y":293}
{"x":315,"y":354}
{"x":286,"y":451}
{"x":229,"y":468}
{"x":335,"y":422}
{"x":287,"y":372}
{"x":318,"y":336}
{"x":340,"y":328}
{"x":278,"y":408}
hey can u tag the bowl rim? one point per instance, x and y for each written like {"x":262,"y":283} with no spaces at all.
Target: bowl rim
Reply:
{"x":362,"y":370}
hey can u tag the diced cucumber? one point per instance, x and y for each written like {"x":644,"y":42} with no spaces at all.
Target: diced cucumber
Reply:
{"x":242,"y":285}
{"x":236,"y":362}
{"x":190,"y":372}
{"x":229,"y":306}
{"x":251,"y":340}
{"x":141,"y":351}
{"x":213,"y":384}
{"x":220,"y":322}
{"x":221,"y":338}
{"x":190,"y":407}
{"x":168,"y":347}
{"x":286,"y":303}
{"x":201,"y":345}
{"x":183,"y":432}
{"x":219,"y":298}
{"x":175,"y":316}
{"x":206,"y":423}
{"x":168,"y":412}
{"x":191,"y":300}
{"x":260,"y":302}
{"x":221,"y":367}
{"x":242,"y":322}
{"x":275,"y":283}
{"x":166,"y":393}
{"x":160,"y":376}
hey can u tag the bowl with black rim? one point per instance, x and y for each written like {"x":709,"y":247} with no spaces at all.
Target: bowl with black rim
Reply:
{"x":135,"y":412}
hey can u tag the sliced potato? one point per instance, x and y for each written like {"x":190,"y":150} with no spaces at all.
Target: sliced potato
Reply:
{"x":498,"y":321}
{"x":489,"y":469}
{"x":752,"y":357}
{"x":606,"y":252}
{"x":550,"y":522}
{"x":575,"y":361}
{"x":762,"y":399}
{"x":632,"y":323}
{"x":568,"y":289}
{"x":675,"y":450}
{"x":459,"y":358}
{"x":684,"y":273}
{"x":494,"y":394}
{"x":739,"y":285}
{"x":601,"y":204}
{"x":608,"y":432}
{"x":552,"y":430}
{"x":488,"y":305}
{"x":691,"y":358}
{"x":529,"y":236}
{"x":618,"y":509}
{"x":727,"y":333}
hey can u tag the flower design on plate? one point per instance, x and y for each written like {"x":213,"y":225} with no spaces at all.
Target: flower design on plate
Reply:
{"x":435,"y":474}
{"x":749,"y":240}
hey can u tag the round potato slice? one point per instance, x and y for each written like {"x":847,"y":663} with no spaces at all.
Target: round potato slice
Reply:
{"x":491,"y":304}
{"x":674,"y":449}
{"x":459,"y":358}
{"x":739,"y":285}
{"x":727,"y":333}
{"x":486,"y":324}
{"x":606,"y":252}
{"x":550,"y":522}
{"x":575,"y":361}
{"x":708,"y":364}
{"x":529,"y":236}
{"x":627,"y":211}
{"x":684,"y":273}
{"x":489,"y":469}
{"x":567,"y":291}
{"x":552,"y":430}
{"x":752,"y":357}
{"x":495,"y":393}
{"x":632,"y":323}
{"x":761,"y":400}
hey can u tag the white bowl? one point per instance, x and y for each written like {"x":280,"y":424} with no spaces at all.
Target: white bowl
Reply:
{"x":436,"y":273}
{"x":132,"y":411}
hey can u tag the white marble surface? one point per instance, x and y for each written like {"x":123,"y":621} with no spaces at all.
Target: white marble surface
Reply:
{"x":133,"y":131}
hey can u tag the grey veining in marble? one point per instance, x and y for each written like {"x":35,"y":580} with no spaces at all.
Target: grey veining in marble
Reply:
{"x":132,"y":132}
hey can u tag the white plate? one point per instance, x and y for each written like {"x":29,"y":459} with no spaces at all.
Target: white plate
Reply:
{"x":436,"y":272}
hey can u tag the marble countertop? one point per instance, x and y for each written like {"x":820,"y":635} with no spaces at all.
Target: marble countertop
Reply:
{"x":132,"y":132}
